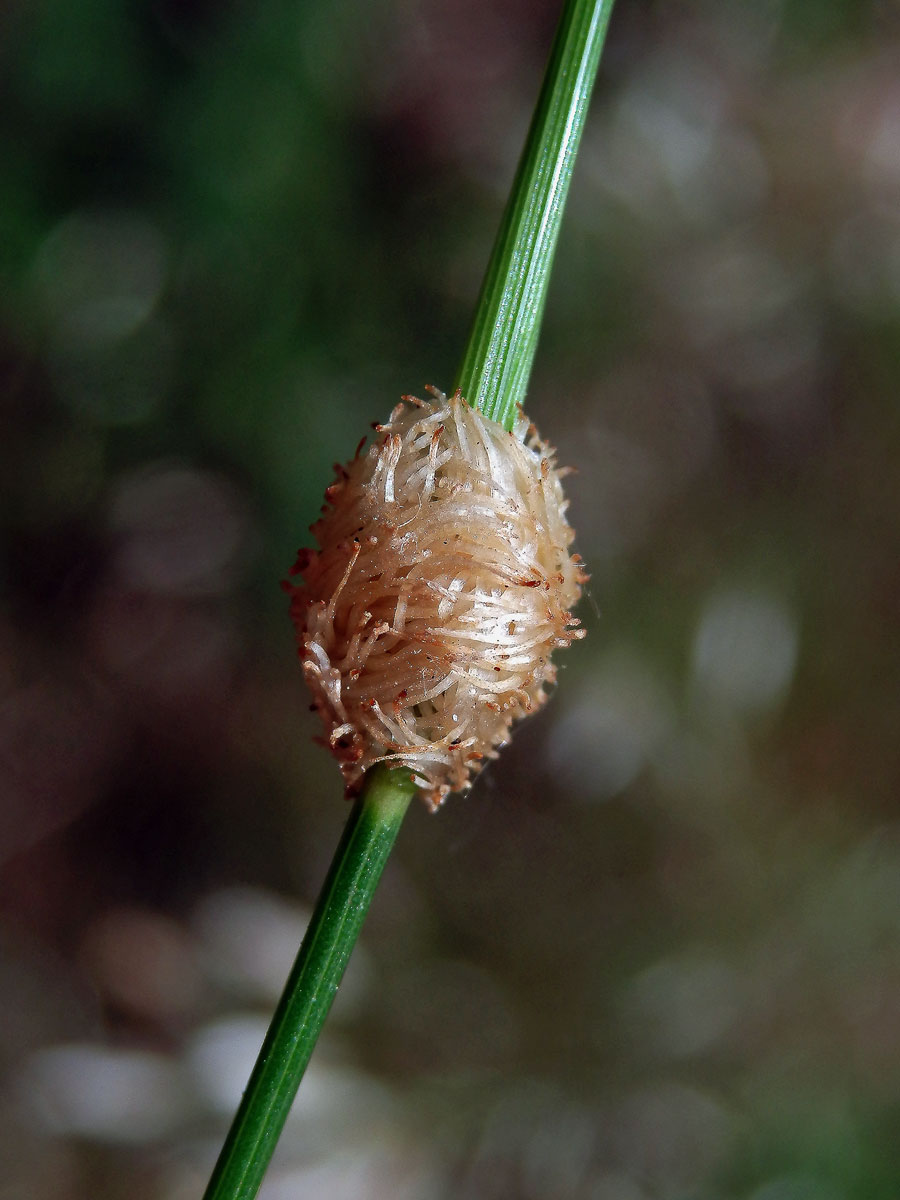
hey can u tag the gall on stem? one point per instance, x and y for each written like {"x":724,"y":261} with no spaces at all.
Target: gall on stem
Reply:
{"x":441,"y":585}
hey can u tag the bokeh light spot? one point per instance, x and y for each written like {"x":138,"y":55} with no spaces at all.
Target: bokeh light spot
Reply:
{"x":745,"y":649}
{"x":111,"y":1095}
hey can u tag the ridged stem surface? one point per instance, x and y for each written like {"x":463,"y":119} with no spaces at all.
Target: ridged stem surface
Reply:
{"x":497,"y":361}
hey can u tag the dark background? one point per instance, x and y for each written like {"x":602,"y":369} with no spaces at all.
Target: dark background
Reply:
{"x":655,"y":953}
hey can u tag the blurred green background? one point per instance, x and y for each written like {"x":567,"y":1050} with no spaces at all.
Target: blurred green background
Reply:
{"x":654,"y":954}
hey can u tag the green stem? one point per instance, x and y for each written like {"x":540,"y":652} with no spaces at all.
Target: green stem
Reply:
{"x":496,"y":366}
{"x":368,"y":836}
{"x":494,"y":376}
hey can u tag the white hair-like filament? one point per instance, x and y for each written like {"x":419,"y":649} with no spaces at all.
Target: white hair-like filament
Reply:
{"x":442,"y":584}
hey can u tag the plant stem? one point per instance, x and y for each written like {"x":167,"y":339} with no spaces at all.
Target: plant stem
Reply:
{"x":311,"y":987}
{"x":494,"y":376}
{"x":497,"y":362}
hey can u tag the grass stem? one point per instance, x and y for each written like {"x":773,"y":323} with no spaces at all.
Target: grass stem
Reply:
{"x":497,"y":362}
{"x":367,"y":839}
{"x":494,"y":376}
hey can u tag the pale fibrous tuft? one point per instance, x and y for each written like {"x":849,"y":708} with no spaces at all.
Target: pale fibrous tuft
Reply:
{"x":441,"y":585}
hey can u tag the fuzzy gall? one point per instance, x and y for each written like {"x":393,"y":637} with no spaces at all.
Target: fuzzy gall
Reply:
{"x":441,"y":584}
